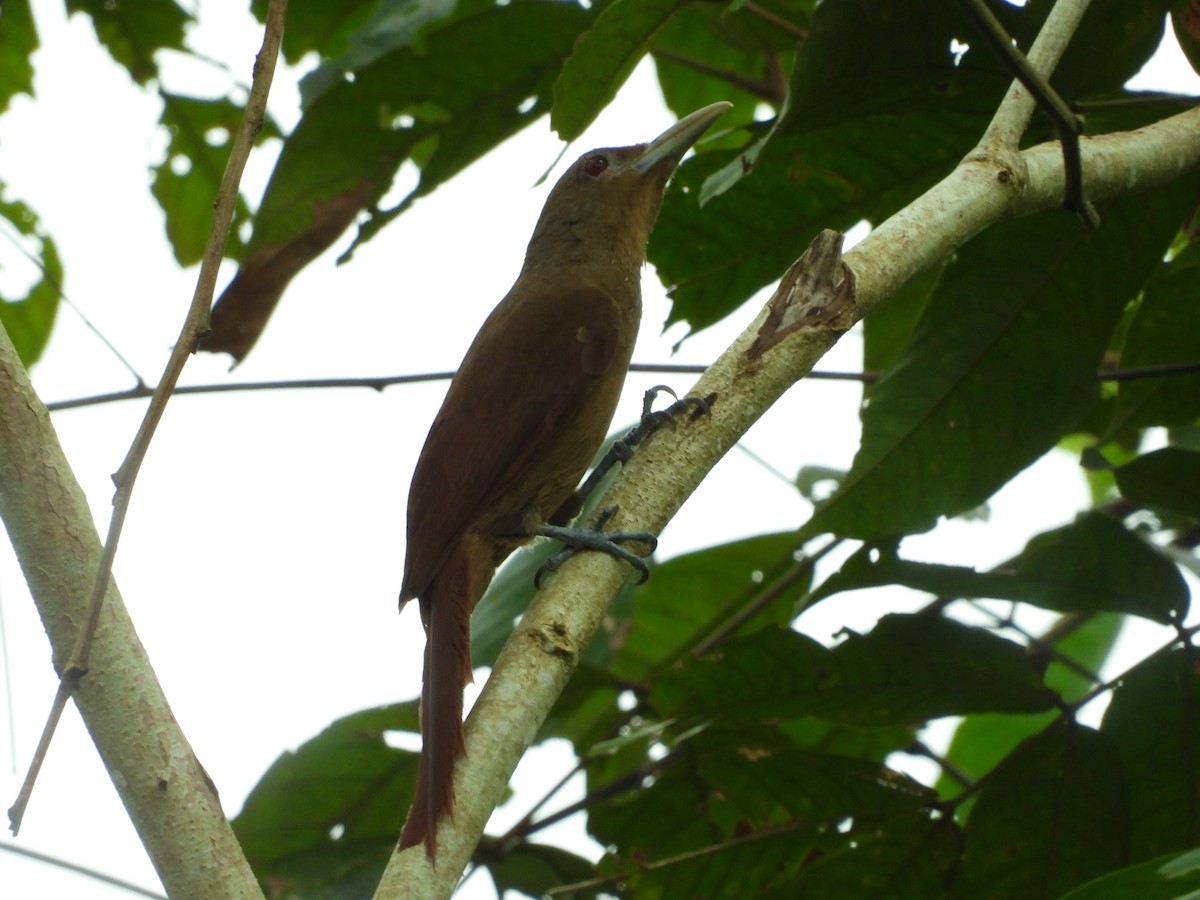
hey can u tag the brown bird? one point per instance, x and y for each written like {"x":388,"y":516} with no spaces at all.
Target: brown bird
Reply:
{"x":524,"y":416}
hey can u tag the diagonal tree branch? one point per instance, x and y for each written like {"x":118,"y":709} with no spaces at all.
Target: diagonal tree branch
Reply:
{"x":173,"y":804}
{"x":543,"y":651}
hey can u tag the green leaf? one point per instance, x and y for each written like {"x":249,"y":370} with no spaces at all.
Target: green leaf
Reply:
{"x":186,"y":182}
{"x":1174,"y":876}
{"x":134,"y":32}
{"x":1098,"y":556}
{"x":1164,"y":329}
{"x":908,"y":855}
{"x":718,"y":584}
{"x":1154,"y":722}
{"x":18,"y":40}
{"x":706,"y":53}
{"x":878,"y":112}
{"x":1168,"y":478}
{"x":1052,"y":816}
{"x":908,"y":669}
{"x":990,"y":380}
{"x":533,"y":869}
{"x":473,"y":80}
{"x":394,"y":25}
{"x":887,"y":331}
{"x":738,"y":791}
{"x":1185,"y":20}
{"x":603,"y":57}
{"x":326,"y":28}
{"x":1092,"y":565}
{"x":981,"y":741}
{"x":323,"y":820}
{"x":29,"y":319}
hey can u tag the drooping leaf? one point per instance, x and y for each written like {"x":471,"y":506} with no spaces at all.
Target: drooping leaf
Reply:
{"x":533,"y":869}
{"x":1092,"y":565}
{"x":877,"y":112}
{"x":18,"y":40}
{"x":323,"y":820}
{"x":187,"y":180}
{"x":1164,"y":329}
{"x":1169,"y":877}
{"x":911,"y":854}
{"x":1052,"y":816}
{"x":990,"y":380}
{"x":907,"y":669}
{"x":706,"y":53}
{"x":29,"y":319}
{"x":1185,"y":19}
{"x":1154,"y":722}
{"x":473,"y":79}
{"x":329,"y":28}
{"x":981,"y":741}
{"x":602,"y":60}
{"x":1168,"y":478}
{"x":134,"y":32}
{"x":692,"y":595}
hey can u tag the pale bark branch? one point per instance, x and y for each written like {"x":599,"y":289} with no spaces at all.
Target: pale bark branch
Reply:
{"x":543,"y":651}
{"x":170,"y":799}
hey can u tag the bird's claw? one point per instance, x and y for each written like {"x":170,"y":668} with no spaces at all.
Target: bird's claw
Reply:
{"x":575,"y":540}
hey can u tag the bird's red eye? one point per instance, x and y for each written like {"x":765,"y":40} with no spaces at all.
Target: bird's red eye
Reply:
{"x":595,"y":165}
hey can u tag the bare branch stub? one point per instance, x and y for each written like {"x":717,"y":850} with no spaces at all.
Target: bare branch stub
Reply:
{"x":816,"y":290}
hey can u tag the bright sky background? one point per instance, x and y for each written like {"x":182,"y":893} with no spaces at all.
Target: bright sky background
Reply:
{"x":262,"y":555}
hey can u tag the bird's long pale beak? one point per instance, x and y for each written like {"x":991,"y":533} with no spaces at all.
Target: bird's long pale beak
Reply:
{"x":675,"y":141}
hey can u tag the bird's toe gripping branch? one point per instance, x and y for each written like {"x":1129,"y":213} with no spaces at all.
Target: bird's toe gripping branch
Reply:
{"x":575,"y":540}
{"x":622,"y":450}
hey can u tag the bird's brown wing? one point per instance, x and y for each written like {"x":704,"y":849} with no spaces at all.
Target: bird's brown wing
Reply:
{"x":526,"y":411}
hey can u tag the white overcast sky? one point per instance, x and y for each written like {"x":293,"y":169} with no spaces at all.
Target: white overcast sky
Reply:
{"x":262,"y":554}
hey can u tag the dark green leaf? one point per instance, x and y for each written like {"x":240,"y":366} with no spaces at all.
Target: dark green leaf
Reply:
{"x":18,"y":40}
{"x":1168,"y":478}
{"x":982,"y":741}
{"x":30,"y":319}
{"x":887,"y":331}
{"x":475,"y":79}
{"x":1173,"y":876}
{"x":706,"y":53}
{"x":1052,"y":816}
{"x":533,"y":869}
{"x":323,"y":820}
{"x":1185,"y":20}
{"x":1097,"y":564}
{"x":908,"y":669}
{"x":743,"y":790}
{"x":393,"y":25}
{"x":1094,"y":564}
{"x":1154,"y":721}
{"x":878,"y":112}
{"x":329,"y":28}
{"x":1165,"y":329}
{"x":603,"y":57}
{"x":186,"y":182}
{"x":134,"y":32}
{"x":910,"y":855}
{"x":689,"y":597}
{"x":990,"y":380}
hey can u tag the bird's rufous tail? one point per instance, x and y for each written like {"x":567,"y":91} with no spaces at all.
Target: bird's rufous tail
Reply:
{"x":446,"y":611}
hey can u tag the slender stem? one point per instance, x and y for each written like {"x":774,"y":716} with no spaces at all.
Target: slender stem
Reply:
{"x":1037,"y":85}
{"x":194,"y":326}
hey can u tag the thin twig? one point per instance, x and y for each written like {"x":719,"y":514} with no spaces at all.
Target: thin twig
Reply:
{"x":800,"y":34}
{"x":759,"y":87}
{"x":1068,"y":125}
{"x":194,"y":327}
{"x":93,"y":874}
{"x":869,"y":376}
